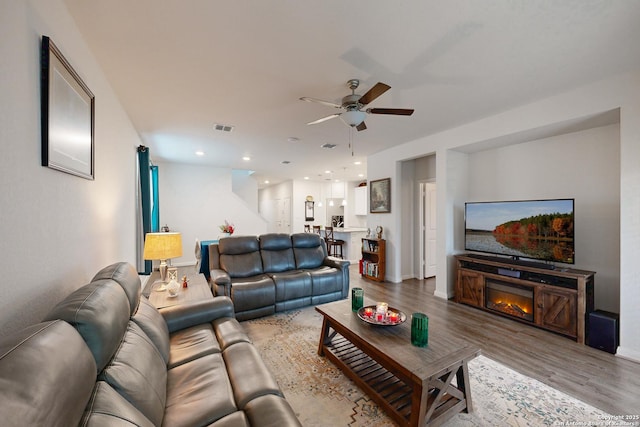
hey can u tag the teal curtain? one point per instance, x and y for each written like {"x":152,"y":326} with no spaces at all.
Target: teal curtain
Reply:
{"x":155,"y":210}
{"x":144,"y":165}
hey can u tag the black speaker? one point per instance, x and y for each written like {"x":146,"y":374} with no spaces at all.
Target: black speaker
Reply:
{"x":603,"y":330}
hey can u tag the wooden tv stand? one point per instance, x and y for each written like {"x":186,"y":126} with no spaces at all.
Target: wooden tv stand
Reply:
{"x":562,"y":298}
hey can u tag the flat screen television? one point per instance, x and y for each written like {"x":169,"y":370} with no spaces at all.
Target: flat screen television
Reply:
{"x":534,"y":229}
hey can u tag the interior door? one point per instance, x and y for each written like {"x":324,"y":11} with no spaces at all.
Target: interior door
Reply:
{"x":286,"y":215}
{"x":429,"y":228}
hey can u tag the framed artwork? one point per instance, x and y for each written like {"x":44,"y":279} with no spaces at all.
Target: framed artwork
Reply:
{"x":308,"y":211}
{"x":380,"y":196}
{"x":67,"y":115}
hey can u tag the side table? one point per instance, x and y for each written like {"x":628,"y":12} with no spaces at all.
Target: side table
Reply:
{"x":197,"y":290}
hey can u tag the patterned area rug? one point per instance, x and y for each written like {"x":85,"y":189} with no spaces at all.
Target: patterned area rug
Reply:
{"x":323,"y":396}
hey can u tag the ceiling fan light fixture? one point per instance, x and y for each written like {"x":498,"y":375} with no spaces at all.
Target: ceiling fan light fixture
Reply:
{"x":353,"y":117}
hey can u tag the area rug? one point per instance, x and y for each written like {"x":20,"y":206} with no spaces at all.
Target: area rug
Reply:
{"x":323,"y":396}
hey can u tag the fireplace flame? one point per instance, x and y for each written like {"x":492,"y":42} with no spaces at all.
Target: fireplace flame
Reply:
{"x":514,"y":306}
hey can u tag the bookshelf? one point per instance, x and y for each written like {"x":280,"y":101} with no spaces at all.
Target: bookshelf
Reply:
{"x":372,"y":264}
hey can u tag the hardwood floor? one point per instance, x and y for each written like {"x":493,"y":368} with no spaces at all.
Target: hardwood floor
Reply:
{"x":601,"y":379}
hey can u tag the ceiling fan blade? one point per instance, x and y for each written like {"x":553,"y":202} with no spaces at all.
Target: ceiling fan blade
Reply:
{"x":361,"y":126}
{"x":373,"y":93}
{"x":394,"y":111}
{"x":324,"y":119}
{"x":320,"y":101}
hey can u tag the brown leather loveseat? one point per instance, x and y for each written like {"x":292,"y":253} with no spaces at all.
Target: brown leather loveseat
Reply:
{"x":104,"y":356}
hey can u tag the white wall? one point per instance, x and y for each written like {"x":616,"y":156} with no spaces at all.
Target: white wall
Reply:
{"x":584,"y":166}
{"x":621,"y":92}
{"x":57,"y":230}
{"x":196,"y":200}
{"x":246,"y":187}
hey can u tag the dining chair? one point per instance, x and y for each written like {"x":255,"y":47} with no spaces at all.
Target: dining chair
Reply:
{"x":334,"y":246}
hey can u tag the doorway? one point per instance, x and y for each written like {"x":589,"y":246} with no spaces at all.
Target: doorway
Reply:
{"x":428,"y":229}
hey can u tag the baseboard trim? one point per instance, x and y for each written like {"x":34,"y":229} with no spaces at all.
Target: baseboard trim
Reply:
{"x":628,"y":354}
{"x":441,"y":295}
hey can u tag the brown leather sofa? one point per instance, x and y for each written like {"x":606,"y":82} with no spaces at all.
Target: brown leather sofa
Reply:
{"x":104,"y":356}
{"x":276,"y":272}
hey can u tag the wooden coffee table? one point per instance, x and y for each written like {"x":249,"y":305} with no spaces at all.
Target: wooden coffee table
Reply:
{"x":414,"y":385}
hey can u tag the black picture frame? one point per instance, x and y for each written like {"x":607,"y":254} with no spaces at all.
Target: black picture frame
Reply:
{"x":67,"y":115}
{"x":380,"y":196}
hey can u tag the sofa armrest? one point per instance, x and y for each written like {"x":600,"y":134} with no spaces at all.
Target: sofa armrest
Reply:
{"x":220,"y":282}
{"x":194,"y":313}
{"x":336,"y":262}
{"x":343,"y":266}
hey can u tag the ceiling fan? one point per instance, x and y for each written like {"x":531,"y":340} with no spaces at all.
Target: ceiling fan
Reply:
{"x":353,"y":105}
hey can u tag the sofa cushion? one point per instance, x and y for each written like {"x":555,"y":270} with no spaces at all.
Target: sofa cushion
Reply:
{"x":100,"y":313}
{"x":152,"y":323}
{"x":271,"y":410}
{"x":240,"y":256}
{"x":326,"y":280}
{"x":292,"y":285}
{"x":126,"y":276}
{"x":198,"y":392}
{"x":46,"y":376}
{"x":309,"y":250}
{"x":237,"y":419}
{"x":107,"y":408}
{"x":249,"y":376}
{"x":252,"y":292}
{"x":138,"y":372}
{"x":276,"y":252}
{"x":192,"y":343}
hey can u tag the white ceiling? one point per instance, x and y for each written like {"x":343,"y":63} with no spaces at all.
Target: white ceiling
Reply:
{"x":180,"y":66}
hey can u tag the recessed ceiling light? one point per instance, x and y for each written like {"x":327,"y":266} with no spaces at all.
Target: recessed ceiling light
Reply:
{"x":266,"y":181}
{"x":306,"y":177}
{"x":246,"y":158}
{"x":293,"y":139}
{"x":360,"y":175}
{"x":199,"y":153}
{"x":327,"y":171}
{"x":357,"y":163}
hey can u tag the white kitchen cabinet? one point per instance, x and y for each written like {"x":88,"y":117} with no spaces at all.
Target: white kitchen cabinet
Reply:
{"x":361,"y":201}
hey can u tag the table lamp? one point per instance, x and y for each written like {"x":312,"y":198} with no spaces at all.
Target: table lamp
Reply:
{"x":162,"y":246}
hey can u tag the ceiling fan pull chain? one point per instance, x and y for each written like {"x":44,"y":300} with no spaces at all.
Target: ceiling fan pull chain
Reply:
{"x":351,"y":139}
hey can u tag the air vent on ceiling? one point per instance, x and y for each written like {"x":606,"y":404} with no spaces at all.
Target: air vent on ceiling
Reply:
{"x":223,"y":128}
{"x":329,"y":146}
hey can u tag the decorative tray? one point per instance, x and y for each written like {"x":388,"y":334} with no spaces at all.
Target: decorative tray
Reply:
{"x":386,"y":321}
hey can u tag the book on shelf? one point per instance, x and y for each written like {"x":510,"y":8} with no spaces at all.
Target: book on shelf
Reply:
{"x":370,"y":246}
{"x":370,"y":268}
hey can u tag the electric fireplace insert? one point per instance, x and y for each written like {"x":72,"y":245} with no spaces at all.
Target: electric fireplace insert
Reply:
{"x":510,"y":299}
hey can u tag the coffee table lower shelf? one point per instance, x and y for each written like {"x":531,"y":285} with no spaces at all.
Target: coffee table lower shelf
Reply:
{"x":403,"y":399}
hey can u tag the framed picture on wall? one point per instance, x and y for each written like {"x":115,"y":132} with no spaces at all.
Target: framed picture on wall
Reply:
{"x":308,"y":211}
{"x":380,"y":196}
{"x":67,"y":115}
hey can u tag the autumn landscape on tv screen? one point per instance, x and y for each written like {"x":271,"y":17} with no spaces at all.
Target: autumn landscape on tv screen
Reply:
{"x":540,"y":229}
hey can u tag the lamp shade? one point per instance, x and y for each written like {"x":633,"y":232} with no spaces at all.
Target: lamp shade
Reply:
{"x":162,"y":246}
